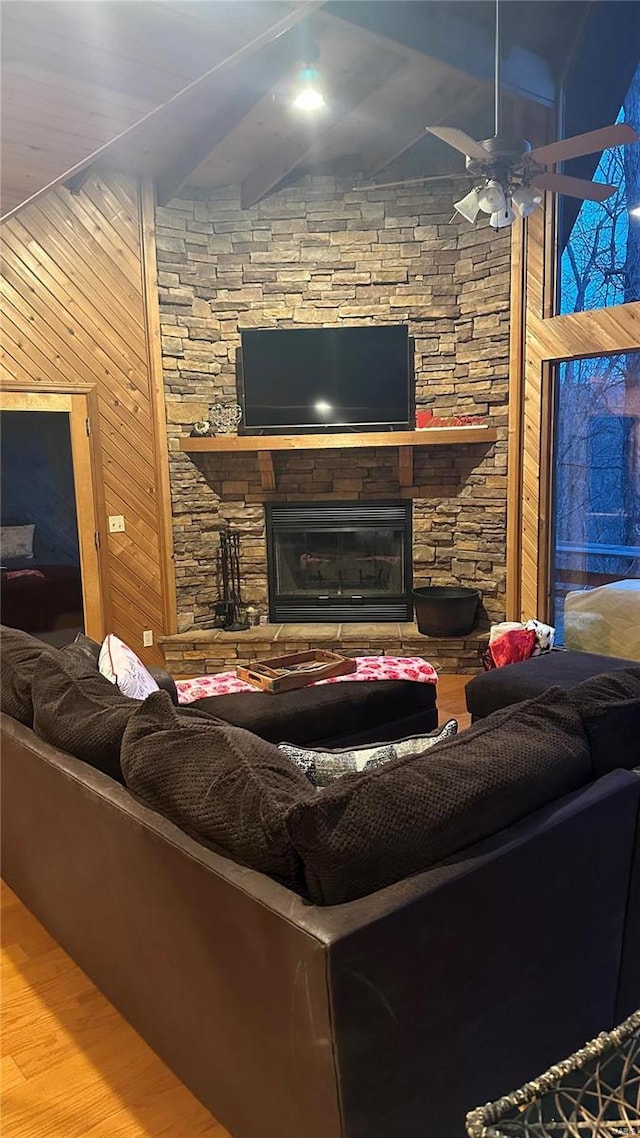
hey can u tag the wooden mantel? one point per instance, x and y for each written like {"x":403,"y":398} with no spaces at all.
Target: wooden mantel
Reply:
{"x":405,"y":441}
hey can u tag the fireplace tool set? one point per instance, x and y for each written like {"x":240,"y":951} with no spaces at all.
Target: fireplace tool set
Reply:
{"x":230,"y":609}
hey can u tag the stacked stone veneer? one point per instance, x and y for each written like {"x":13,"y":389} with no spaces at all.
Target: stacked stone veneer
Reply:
{"x":324,"y":253}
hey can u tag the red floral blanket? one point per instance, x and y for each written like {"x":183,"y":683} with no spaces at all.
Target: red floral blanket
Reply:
{"x":369,"y":668}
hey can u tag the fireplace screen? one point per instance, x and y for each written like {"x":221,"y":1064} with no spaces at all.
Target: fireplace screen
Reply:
{"x":339,"y":562}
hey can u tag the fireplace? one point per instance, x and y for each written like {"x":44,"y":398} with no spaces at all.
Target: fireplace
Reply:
{"x":347,"y":561}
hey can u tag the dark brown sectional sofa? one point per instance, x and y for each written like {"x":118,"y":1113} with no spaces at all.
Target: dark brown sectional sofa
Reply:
{"x":390,"y":1014}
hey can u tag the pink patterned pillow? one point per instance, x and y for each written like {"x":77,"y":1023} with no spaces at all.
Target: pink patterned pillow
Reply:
{"x":122,"y":667}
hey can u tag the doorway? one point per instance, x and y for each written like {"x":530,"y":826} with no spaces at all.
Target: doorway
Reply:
{"x":49,"y":546}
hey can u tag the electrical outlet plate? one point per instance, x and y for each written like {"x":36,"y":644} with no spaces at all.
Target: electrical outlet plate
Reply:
{"x":147,"y":638}
{"x":116,"y":523}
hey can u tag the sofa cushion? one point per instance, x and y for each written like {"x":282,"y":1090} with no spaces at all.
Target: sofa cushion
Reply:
{"x":78,"y":710}
{"x":19,"y":654}
{"x":322,"y":767}
{"x":369,"y":830}
{"x":330,"y":711}
{"x":609,"y":707}
{"x":219,"y":783}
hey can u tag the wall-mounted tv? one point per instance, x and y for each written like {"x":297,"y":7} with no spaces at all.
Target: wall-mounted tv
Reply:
{"x":301,"y":379}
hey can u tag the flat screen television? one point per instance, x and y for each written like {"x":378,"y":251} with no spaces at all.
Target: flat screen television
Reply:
{"x":301,"y":379}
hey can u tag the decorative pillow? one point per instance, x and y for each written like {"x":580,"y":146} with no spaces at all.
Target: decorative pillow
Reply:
{"x":322,"y":767}
{"x":219,"y":783}
{"x":19,"y":654}
{"x":16,"y":541}
{"x":418,"y":744}
{"x":77,"y":709}
{"x":119,"y":664}
{"x":369,"y":830}
{"x":609,"y":706}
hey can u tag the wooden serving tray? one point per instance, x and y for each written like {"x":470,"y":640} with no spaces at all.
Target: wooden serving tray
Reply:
{"x":286,"y":673}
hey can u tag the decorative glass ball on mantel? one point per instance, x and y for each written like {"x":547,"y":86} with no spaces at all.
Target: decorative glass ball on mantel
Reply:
{"x":201,"y":429}
{"x":225,"y":417}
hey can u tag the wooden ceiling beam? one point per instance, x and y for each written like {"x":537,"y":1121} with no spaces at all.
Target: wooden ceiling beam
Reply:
{"x":251,"y":82}
{"x":435,"y":30}
{"x":77,"y":181}
{"x":437,"y":110}
{"x":344,"y":98}
{"x":197,"y":89}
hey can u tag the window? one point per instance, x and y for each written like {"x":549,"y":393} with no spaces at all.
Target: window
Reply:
{"x":600,"y":261}
{"x":596,"y":546}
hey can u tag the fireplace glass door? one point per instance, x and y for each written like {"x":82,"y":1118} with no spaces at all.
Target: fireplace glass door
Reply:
{"x":346,"y":562}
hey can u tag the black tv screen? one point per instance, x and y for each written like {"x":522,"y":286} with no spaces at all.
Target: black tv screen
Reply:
{"x":310,"y":378}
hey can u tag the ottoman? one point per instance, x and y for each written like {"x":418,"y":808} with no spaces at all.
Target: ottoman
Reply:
{"x":501,"y":686}
{"x":333,"y":715}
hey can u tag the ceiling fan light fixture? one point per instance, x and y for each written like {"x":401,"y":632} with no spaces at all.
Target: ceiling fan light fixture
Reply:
{"x":469,"y":205}
{"x":525,"y":200}
{"x":492,"y":198}
{"x":502,"y":217}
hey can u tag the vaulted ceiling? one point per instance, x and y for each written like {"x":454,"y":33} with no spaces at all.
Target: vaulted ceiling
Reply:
{"x":198,"y":92}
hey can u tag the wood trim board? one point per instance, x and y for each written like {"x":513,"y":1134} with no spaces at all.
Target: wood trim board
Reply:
{"x":157,"y":406}
{"x":431,"y":436}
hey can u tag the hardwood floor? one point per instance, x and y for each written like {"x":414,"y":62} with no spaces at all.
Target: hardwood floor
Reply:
{"x":451,"y":703}
{"x":72,"y":1067}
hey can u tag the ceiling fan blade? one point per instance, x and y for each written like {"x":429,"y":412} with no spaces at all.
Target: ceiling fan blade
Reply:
{"x":618,"y":135}
{"x":460,"y":141}
{"x":416,"y":181}
{"x":573,"y":187}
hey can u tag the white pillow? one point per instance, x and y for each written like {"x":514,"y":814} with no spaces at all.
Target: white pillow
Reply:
{"x":122,"y":667}
{"x":17,"y":541}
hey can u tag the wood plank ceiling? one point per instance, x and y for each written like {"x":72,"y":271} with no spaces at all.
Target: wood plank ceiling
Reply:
{"x":78,"y":73}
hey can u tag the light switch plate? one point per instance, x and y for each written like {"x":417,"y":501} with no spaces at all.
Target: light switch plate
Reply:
{"x":116,"y":523}
{"x":147,"y":638}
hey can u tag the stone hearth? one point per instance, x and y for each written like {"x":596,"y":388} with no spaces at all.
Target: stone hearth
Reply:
{"x":200,"y":651}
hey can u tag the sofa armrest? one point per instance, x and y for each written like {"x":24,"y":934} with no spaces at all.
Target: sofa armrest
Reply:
{"x":164,"y":681}
{"x":501,"y":961}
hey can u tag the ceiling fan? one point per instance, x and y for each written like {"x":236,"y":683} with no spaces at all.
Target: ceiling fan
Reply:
{"x":511,"y":176}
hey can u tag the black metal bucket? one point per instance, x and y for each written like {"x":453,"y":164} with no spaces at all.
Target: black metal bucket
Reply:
{"x":446,"y":610}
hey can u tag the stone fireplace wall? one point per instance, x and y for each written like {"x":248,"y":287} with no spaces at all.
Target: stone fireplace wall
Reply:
{"x":321,"y":252}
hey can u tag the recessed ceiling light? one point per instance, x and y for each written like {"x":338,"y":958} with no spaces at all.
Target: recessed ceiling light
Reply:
{"x":309,"y":99}
{"x":309,"y":96}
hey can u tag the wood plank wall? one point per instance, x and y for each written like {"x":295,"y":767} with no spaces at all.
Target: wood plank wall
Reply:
{"x":76,"y":283}
{"x":544,"y":340}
